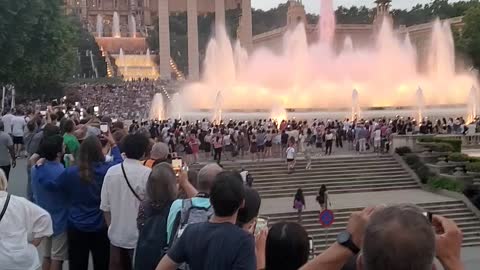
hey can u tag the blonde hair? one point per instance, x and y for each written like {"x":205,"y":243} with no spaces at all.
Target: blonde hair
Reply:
{"x":3,"y":181}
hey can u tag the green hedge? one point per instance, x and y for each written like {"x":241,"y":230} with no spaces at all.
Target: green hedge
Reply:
{"x":439,"y":147}
{"x":455,"y":143}
{"x":402,"y":151}
{"x":420,"y":169}
{"x":473,"y":167}
{"x":458,"y":157}
{"x":439,"y":182}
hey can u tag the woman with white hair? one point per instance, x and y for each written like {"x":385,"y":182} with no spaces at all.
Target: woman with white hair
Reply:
{"x":23,"y":225}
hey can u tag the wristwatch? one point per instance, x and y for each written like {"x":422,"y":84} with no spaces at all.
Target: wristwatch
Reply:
{"x":345,"y":239}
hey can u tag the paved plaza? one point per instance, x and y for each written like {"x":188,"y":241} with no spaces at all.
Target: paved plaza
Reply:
{"x":17,"y":186}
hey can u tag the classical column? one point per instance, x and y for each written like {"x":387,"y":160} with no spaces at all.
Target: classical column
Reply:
{"x":192,"y":19}
{"x":219,"y":13}
{"x":246,"y":34}
{"x":84,"y":9}
{"x":164,"y":39}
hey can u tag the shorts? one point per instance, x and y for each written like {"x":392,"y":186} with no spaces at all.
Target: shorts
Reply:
{"x":377,"y":143}
{"x":268,"y":144}
{"x":17,"y":140}
{"x":290,"y":159}
{"x":260,"y":148}
{"x":56,"y":247}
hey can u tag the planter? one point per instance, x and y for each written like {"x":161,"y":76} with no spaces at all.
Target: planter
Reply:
{"x":463,"y":178}
{"x":442,"y":168}
{"x":473,"y":174}
{"x":431,"y":157}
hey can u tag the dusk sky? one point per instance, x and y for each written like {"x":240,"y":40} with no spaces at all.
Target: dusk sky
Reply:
{"x":313,"y":6}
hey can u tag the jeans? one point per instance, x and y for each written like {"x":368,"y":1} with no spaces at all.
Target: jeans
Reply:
{"x":362,"y":144}
{"x":218,"y":154}
{"x":80,"y":244}
{"x":328,"y":147}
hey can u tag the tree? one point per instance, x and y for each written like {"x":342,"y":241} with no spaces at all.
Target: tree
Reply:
{"x":36,"y":45}
{"x":469,"y":42}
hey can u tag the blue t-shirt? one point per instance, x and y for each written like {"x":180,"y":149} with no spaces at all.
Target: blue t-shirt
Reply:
{"x":215,"y":246}
{"x":54,"y":202}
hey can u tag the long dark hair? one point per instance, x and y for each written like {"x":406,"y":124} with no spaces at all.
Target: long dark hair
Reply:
{"x":322,"y":190}
{"x":161,"y":186}
{"x":90,"y":152}
{"x":299,"y":196}
{"x":287,"y":247}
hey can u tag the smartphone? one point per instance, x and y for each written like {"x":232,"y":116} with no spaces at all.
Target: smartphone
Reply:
{"x":104,"y":127}
{"x":95,"y":109}
{"x":43,"y":113}
{"x":262,"y":224}
{"x":77,"y":104}
{"x":177,"y":165}
{"x":429,"y":216}
{"x":311,"y":246}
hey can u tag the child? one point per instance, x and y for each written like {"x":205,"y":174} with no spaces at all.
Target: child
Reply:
{"x":290,"y":157}
{"x":299,"y":203}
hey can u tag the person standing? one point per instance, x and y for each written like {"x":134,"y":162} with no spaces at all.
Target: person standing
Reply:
{"x":18,"y":127}
{"x":23,"y":227}
{"x":7,"y":152}
{"x":310,"y":142}
{"x":284,"y":142}
{"x":7,"y":121}
{"x":261,"y":139}
{"x":81,"y":183}
{"x":218,"y":243}
{"x":218,"y":146}
{"x":290,"y":157}
{"x":72,"y":146}
{"x":328,"y":142}
{"x":122,"y":191}
{"x":55,"y":247}
{"x":322,"y":198}
{"x":299,"y":203}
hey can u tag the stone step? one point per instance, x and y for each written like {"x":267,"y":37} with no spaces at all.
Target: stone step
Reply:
{"x":468,"y":222}
{"x":331,"y":172}
{"x":340,"y":176}
{"x":334,"y":181}
{"x":333,"y":185}
{"x":313,"y":191}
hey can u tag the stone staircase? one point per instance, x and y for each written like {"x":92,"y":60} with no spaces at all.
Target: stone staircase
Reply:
{"x":340,"y":174}
{"x":456,"y":210}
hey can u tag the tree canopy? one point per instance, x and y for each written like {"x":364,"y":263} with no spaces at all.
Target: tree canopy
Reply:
{"x":38,"y":45}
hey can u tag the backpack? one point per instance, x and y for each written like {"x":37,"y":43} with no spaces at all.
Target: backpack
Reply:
{"x":189,"y":214}
{"x":152,"y":242}
{"x":249,"y":180}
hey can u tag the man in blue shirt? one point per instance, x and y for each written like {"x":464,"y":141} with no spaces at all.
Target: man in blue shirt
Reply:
{"x":55,"y":247}
{"x":218,"y":244}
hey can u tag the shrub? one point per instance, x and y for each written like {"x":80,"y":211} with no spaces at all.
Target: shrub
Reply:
{"x":424,"y":173}
{"x":473,"y":159}
{"x":456,"y":144}
{"x":445,"y":183}
{"x":457,"y":157}
{"x":473,"y":167}
{"x":412,"y":160}
{"x":439,"y":147}
{"x":401,"y":151}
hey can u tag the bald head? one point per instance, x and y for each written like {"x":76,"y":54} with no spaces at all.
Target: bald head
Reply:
{"x":206,"y":176}
{"x":397,"y":238}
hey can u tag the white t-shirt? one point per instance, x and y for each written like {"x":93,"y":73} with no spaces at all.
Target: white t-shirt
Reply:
{"x":377,"y":135}
{"x":329,"y":137}
{"x":18,"y":126}
{"x":290,"y":153}
{"x":119,"y":200}
{"x":7,"y":122}
{"x":23,"y":221}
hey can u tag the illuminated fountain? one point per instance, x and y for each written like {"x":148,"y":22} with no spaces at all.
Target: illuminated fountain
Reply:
{"x":134,"y":66}
{"x":99,"y":26}
{"x":217,"y":110}
{"x":472,"y":105}
{"x":157,"y":109}
{"x":355,"y":106}
{"x":175,"y":108}
{"x":116,"y":25}
{"x":316,"y":77}
{"x":132,"y":26}
{"x":420,"y":105}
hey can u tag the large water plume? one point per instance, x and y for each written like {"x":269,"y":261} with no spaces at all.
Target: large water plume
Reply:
{"x":317,"y":76}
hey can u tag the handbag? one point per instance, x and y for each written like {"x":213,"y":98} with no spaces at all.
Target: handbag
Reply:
{"x":7,"y":201}
{"x":128,"y":183}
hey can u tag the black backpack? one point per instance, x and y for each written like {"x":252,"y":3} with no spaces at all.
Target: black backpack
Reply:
{"x":152,"y":241}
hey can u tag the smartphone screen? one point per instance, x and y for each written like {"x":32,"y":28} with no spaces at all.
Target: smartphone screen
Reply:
{"x":43,"y":113}
{"x":77,"y":104}
{"x":262,"y":223}
{"x":95,"y":109}
{"x":177,"y":165}
{"x":104,"y":127}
